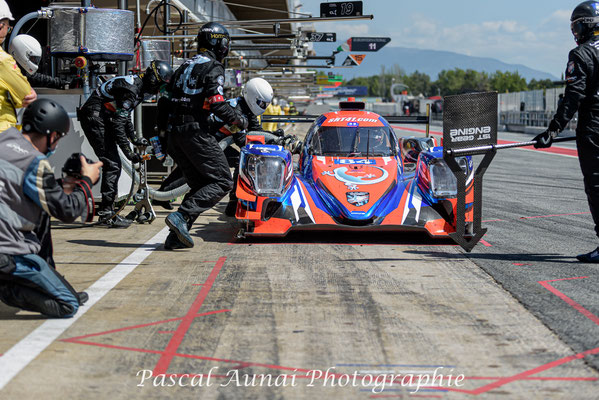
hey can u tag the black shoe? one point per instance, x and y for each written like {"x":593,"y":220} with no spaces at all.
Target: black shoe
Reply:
{"x":231,"y":208}
{"x":164,"y":204}
{"x":107,"y":218}
{"x":592,"y":257}
{"x":83,"y":297}
{"x":172,"y":242}
{"x":178,"y":225}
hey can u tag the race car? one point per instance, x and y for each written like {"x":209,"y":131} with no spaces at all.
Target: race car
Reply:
{"x":353,"y":174}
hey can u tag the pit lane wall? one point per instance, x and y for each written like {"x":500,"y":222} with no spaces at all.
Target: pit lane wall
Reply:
{"x":527,"y":112}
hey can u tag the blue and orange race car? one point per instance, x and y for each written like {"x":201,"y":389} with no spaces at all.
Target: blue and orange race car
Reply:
{"x":353,"y":174}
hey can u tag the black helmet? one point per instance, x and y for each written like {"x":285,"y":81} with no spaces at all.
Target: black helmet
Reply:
{"x":46,"y":116}
{"x":585,"y":21}
{"x":158,"y":73}
{"x":214,"y":37}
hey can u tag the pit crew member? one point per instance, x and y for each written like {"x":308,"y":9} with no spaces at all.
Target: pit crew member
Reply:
{"x":196,"y":92}
{"x":106,"y":121}
{"x":582,"y":75}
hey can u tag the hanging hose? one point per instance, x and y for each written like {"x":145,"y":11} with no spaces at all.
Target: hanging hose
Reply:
{"x":26,"y":18}
{"x":165,"y":4}
{"x":154,"y":194}
{"x":183,"y":189}
{"x":170,"y":194}
{"x":157,"y":194}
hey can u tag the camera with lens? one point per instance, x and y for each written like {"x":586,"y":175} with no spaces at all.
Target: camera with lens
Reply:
{"x":72,"y":166}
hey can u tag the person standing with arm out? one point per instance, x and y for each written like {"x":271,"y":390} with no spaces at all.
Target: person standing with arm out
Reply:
{"x":582,"y":95}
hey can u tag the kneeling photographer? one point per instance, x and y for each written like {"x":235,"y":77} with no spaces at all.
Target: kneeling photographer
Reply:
{"x":29,"y":195}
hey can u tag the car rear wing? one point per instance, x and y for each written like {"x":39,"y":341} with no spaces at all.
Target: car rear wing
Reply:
{"x":392,"y":119}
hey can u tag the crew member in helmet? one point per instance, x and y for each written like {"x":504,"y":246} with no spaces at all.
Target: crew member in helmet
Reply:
{"x":106,"y":121}
{"x":256,"y":92}
{"x":582,"y":75}
{"x":15,"y":90}
{"x":29,"y":195}
{"x":27,"y":51}
{"x":256,"y":96}
{"x":196,"y":92}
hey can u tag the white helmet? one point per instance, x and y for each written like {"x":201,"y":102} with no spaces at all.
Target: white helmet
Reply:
{"x":27,"y":51}
{"x":258,"y":95}
{"x":5,"y":11}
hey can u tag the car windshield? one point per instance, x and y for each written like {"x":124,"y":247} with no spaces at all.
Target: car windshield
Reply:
{"x":352,"y":141}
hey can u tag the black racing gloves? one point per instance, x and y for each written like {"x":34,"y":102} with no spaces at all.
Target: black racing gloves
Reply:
{"x":135,"y":158}
{"x":279,"y":132}
{"x":242,"y":122}
{"x":239,"y":138}
{"x":141,"y":142}
{"x":545,"y":139}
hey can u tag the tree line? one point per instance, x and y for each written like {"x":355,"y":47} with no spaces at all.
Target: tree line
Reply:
{"x":448,"y":82}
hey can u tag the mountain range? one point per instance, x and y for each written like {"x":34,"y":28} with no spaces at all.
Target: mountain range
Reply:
{"x":431,"y":62}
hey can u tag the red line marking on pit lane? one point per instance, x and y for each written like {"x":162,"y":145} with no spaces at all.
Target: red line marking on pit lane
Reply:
{"x":170,"y":352}
{"x":553,"y":149}
{"x":520,"y":264}
{"x":485,"y":243}
{"x":525,"y":374}
{"x":173,"y":345}
{"x":77,"y":339}
{"x":568,"y":300}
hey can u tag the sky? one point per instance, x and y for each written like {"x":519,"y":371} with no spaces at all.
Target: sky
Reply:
{"x":535,"y":33}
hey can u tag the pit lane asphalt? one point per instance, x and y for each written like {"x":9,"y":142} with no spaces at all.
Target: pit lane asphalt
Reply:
{"x":312,"y":301}
{"x":538,"y":220}
{"x":536,"y":212}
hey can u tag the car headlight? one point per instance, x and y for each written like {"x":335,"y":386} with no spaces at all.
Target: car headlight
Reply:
{"x":443,"y":181}
{"x":266,"y":175}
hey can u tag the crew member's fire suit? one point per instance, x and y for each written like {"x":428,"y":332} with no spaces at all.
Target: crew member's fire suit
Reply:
{"x":196,"y":92}
{"x":582,"y":81}
{"x":42,"y":80}
{"x":29,"y":195}
{"x":106,"y":120}
{"x":221,"y":131}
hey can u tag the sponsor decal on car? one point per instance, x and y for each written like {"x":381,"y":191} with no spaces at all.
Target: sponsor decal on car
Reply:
{"x":358,"y":199}
{"x":352,"y":119}
{"x":348,"y":177}
{"x":354,"y":161}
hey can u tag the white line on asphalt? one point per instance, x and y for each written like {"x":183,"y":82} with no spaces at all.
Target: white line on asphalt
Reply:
{"x":21,"y":354}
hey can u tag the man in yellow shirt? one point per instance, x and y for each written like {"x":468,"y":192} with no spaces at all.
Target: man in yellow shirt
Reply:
{"x":272,"y":109}
{"x":15,"y":91}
